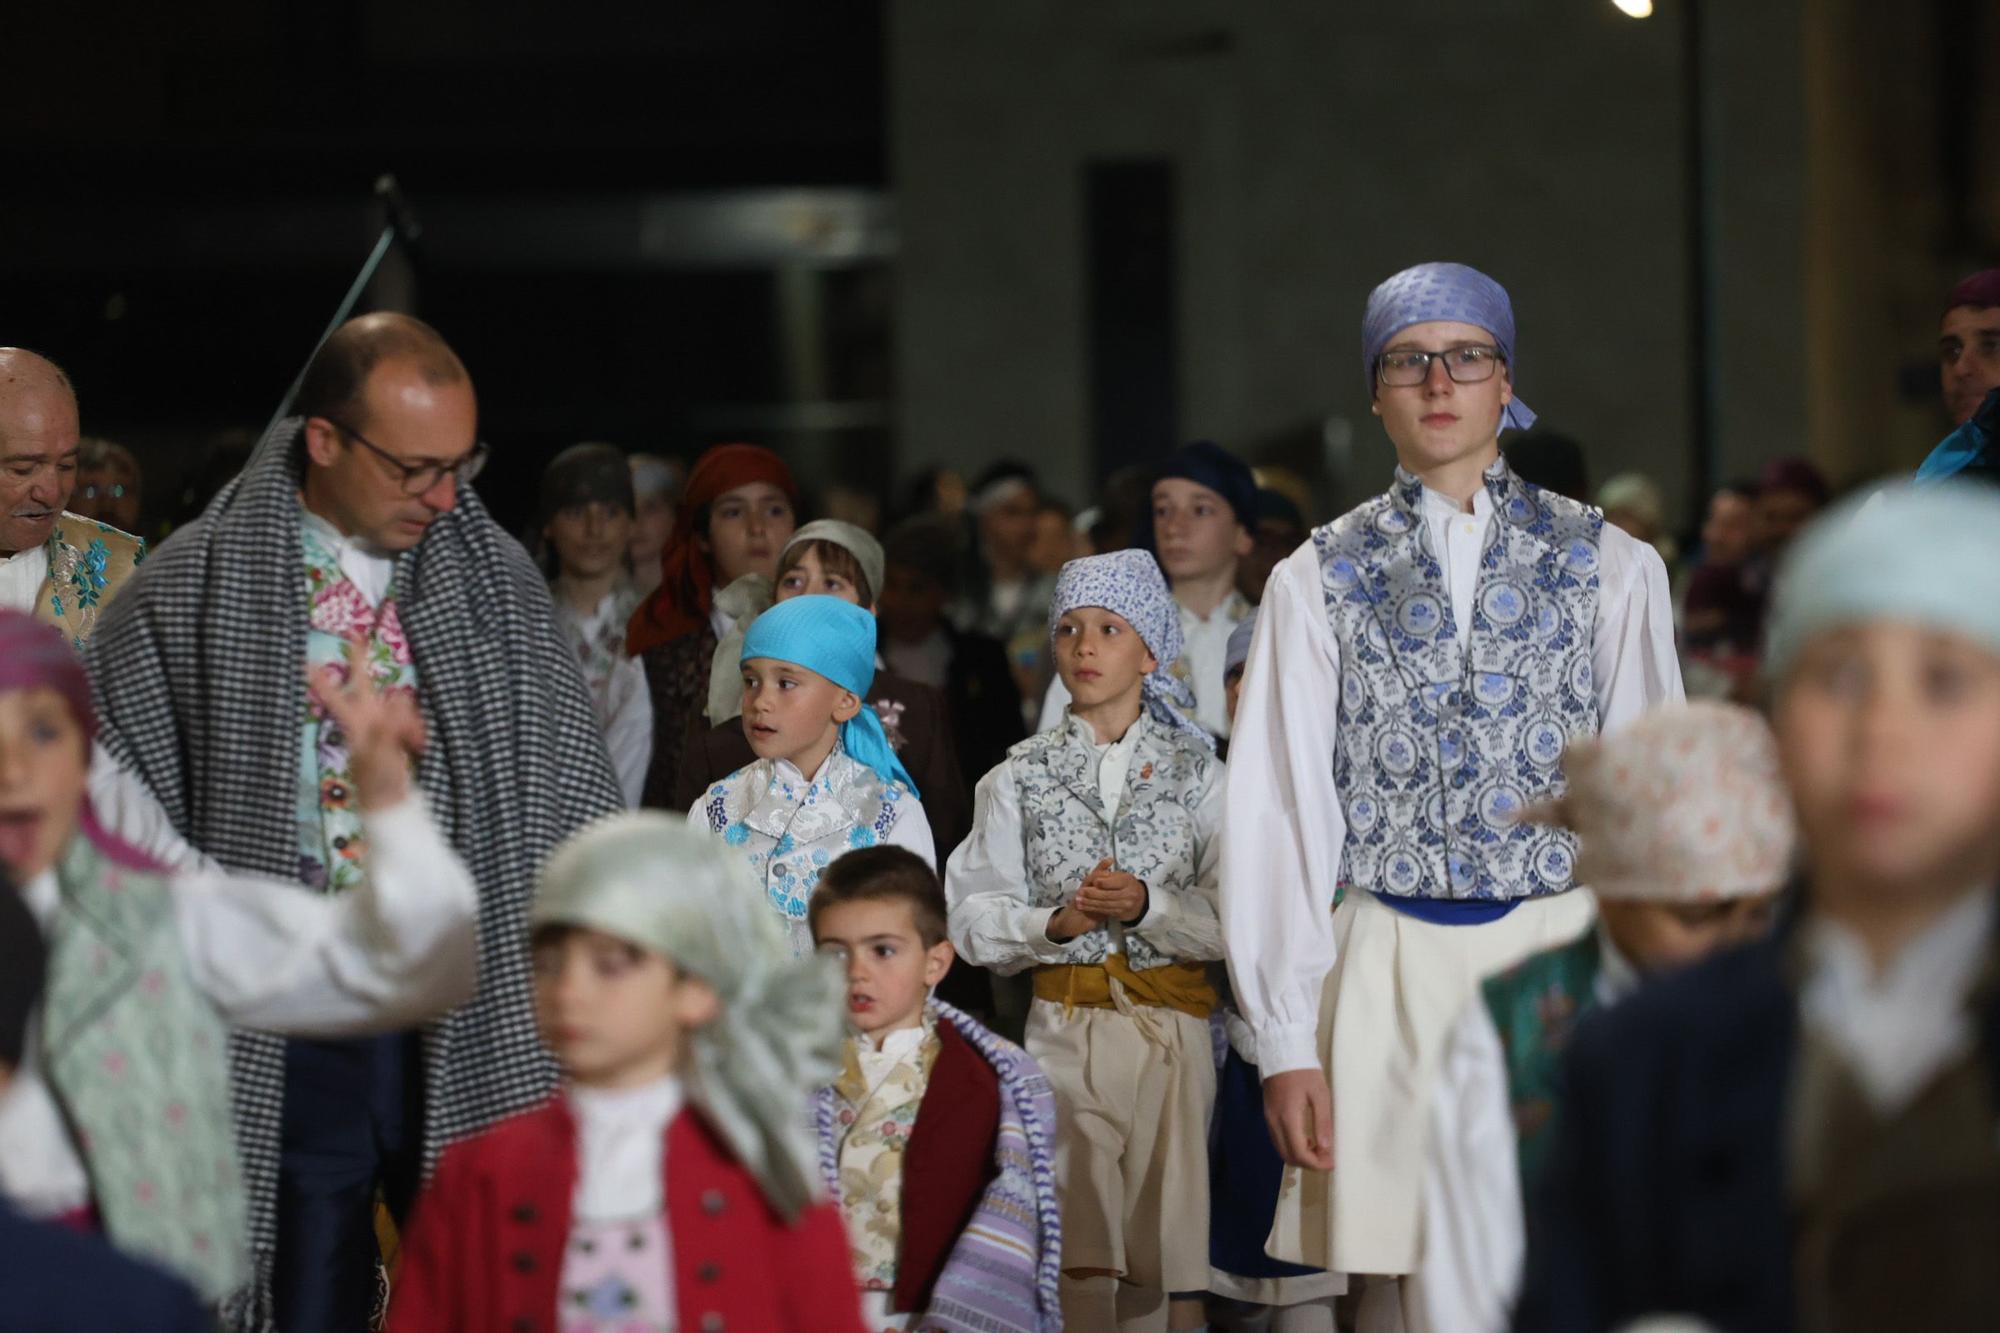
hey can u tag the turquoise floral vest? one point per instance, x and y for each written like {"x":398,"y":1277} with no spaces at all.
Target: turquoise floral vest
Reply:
{"x":138,"y":1059}
{"x":1536,"y":1004}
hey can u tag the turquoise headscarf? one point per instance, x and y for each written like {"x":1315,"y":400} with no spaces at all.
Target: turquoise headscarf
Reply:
{"x":835,"y":639}
{"x":1925,"y":555}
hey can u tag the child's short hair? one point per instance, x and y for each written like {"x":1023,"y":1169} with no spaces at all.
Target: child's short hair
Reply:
{"x":833,"y":559}
{"x":883,"y":874}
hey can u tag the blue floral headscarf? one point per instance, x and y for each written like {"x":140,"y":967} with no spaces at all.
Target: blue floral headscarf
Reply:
{"x":1130,"y":584}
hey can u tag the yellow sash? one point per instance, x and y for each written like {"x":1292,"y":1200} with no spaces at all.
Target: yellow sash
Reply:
{"x":1180,"y":986}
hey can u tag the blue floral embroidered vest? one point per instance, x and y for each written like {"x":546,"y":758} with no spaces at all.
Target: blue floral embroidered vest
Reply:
{"x":1154,"y":837}
{"x":138,"y":1059}
{"x":1440,"y":747}
{"x":1535,"y":1005}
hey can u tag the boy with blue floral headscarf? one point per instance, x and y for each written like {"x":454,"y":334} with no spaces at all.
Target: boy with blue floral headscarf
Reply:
{"x":825,"y":779}
{"x":1417,"y":669}
{"x":1092,"y":861}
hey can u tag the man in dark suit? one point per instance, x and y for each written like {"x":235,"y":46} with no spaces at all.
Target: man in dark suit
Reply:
{"x":54,"y":1279}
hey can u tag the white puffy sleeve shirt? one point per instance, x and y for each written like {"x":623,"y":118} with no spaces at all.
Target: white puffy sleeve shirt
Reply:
{"x":270,"y":954}
{"x":1286,"y":828}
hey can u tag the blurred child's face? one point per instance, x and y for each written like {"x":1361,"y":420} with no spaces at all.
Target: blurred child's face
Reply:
{"x":44,"y":758}
{"x":889,"y":971}
{"x":615,"y":1015}
{"x":590,"y":540}
{"x":912,"y":602}
{"x":792,"y":713}
{"x":1890,"y":738}
{"x":1100,"y":656}
{"x":1055,"y":542}
{"x":1660,"y":937}
{"x":1196,"y":531}
{"x":747,"y":529}
{"x":804,"y":575}
{"x":652,"y":525}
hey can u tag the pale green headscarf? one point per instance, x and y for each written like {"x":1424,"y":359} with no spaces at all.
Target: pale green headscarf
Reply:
{"x":1927,"y":556}
{"x":665,"y":886}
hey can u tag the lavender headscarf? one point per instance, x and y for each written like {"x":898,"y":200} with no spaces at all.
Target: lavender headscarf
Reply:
{"x":1442,"y":292}
{"x":1130,"y":584}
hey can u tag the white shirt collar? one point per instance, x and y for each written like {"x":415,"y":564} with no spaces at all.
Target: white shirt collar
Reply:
{"x":621,"y":1145}
{"x":1437,"y":504}
{"x":21,"y":577}
{"x":1897,"y":1028}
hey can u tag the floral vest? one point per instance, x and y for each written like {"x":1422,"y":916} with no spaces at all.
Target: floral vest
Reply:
{"x":1535,"y":1005}
{"x":138,"y":1059}
{"x":1154,"y":838}
{"x":1440,"y":747}
{"x":792,"y":830}
{"x":599,"y":644}
{"x":874,"y":1127}
{"x":89,"y":562}
{"x":332,"y":847}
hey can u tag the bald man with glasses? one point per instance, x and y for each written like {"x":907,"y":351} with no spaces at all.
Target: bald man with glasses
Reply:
{"x":353,"y":539}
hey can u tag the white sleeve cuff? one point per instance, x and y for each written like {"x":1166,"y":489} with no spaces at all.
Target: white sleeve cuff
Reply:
{"x":1283,"y":1047}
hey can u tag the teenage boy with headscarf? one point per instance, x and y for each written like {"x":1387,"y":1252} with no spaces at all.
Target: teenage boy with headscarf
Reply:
{"x":1418,"y":667}
{"x":1092,"y":860}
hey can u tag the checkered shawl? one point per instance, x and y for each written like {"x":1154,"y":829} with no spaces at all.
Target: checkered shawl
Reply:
{"x":199,"y":676}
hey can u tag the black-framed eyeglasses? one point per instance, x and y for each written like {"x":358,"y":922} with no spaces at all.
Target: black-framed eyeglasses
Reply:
{"x":1473,"y":364}
{"x":419,"y":477}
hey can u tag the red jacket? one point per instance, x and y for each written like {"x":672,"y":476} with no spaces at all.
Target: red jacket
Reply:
{"x":484,"y":1250}
{"x":947,"y":1165}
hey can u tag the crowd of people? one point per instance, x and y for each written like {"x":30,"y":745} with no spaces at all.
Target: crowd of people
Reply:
{"x":1462,"y":914}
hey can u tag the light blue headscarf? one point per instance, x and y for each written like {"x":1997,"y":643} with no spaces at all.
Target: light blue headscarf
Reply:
{"x":836,"y":639}
{"x":1928,"y":556}
{"x":1965,"y":446}
{"x":1442,"y":292}
{"x":1130,"y":584}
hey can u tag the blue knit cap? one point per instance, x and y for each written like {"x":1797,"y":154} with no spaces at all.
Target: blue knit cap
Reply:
{"x":835,"y":639}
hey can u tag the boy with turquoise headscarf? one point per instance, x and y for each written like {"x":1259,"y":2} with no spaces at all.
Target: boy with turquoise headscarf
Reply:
{"x":825,"y":780}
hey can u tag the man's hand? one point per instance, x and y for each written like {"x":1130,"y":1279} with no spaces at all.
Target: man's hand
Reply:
{"x":382,"y":731}
{"x":1298,"y":1108}
{"x":1110,"y":894}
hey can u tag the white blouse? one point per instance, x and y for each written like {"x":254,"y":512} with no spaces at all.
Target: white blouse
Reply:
{"x":270,"y":954}
{"x":1281,"y":858}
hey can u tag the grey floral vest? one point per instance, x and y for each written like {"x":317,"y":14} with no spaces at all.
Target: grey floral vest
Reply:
{"x":1440,"y":747}
{"x":1155,"y":837}
{"x":137,"y":1058}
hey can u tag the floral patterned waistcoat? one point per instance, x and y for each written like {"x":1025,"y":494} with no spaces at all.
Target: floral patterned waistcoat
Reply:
{"x":138,"y":1059}
{"x":1535,"y":1006}
{"x":332,"y":847}
{"x":1153,"y":838}
{"x":1440,"y":746}
{"x":790,"y":830}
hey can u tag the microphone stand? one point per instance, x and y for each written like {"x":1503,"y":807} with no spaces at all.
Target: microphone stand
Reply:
{"x":399,"y":223}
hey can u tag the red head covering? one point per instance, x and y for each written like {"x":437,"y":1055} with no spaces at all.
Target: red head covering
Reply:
{"x":687,"y":579}
{"x":34,"y":656}
{"x":1982,"y":289}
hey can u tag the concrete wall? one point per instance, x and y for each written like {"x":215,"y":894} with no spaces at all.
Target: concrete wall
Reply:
{"x":1320,"y":146}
